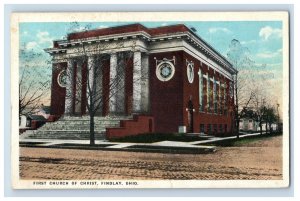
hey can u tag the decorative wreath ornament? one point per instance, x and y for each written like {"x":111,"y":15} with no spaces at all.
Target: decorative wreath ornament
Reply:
{"x":165,"y":71}
{"x":62,"y":78}
{"x":190,"y":72}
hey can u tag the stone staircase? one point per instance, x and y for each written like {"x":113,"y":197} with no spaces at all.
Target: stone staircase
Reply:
{"x":74,"y":128}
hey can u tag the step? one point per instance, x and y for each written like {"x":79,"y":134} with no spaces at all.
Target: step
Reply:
{"x":72,"y":127}
{"x":56,"y":132}
{"x":87,"y":118}
{"x":69,"y":137}
{"x":83,"y":123}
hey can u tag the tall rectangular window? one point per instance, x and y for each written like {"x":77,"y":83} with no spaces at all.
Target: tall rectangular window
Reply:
{"x":201,"y":108}
{"x":208,"y":128}
{"x":215,"y":96}
{"x":208,"y":93}
{"x":201,"y":128}
{"x":215,"y":128}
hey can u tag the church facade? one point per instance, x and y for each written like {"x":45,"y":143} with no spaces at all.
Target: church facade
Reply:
{"x":167,"y":74}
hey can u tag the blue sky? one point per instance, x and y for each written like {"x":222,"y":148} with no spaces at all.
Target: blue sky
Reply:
{"x":263,"y":39}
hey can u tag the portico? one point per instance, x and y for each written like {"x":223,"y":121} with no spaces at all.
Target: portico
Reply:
{"x":105,"y":78}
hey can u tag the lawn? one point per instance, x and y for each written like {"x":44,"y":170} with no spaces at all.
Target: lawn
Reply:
{"x":242,"y":141}
{"x":157,"y":137}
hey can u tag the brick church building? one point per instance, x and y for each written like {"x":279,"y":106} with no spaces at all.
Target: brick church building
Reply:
{"x":170,"y":80}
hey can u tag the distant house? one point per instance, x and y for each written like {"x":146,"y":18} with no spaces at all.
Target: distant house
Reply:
{"x":248,"y":124}
{"x":42,"y":111}
{"x":34,"y":120}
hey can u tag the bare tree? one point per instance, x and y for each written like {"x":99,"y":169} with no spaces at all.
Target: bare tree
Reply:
{"x":270,"y":118}
{"x":34,"y":82}
{"x":239,"y":56}
{"x":95,"y":73}
{"x":259,"y":105}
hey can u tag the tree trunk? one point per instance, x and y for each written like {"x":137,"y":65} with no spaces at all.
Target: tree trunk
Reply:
{"x":237,"y":128}
{"x":92,"y":130}
{"x":260,"y":128}
{"x":92,"y":123}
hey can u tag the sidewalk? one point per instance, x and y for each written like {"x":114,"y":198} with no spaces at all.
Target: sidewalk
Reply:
{"x":162,"y":146}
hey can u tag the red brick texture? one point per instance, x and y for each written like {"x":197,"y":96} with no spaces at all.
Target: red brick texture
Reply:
{"x":58,"y":93}
{"x":166,"y":97}
{"x":191,"y":90}
{"x":169,"y":99}
{"x":140,"y":124}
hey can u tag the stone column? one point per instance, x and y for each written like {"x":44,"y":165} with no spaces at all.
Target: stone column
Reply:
{"x":91,"y":77}
{"x":78,"y":87}
{"x":120,"y":86}
{"x":98,"y":70}
{"x":145,"y":83}
{"x":69,"y":87}
{"x":112,"y":87}
{"x":137,"y":87}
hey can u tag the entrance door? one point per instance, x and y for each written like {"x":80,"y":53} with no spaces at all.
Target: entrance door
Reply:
{"x":190,"y":117}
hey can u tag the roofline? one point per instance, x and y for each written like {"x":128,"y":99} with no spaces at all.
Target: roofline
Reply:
{"x":146,"y":31}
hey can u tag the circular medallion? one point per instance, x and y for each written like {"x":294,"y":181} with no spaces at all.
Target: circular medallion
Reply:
{"x":62,"y":78}
{"x":165,"y":71}
{"x":190,"y":72}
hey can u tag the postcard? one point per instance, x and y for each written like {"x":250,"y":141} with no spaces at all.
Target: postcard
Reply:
{"x":150,"y":100}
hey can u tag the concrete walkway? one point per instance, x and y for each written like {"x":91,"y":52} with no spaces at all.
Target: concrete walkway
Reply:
{"x":106,"y":145}
{"x":109,"y":145}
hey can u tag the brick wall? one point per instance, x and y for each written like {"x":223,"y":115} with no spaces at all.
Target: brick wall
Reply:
{"x":207,"y":117}
{"x":58,"y":93}
{"x":166,"y":97}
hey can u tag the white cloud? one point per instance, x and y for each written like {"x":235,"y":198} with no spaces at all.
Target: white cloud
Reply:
{"x":219,"y":29}
{"x":44,"y":37}
{"x":248,"y":42}
{"x":102,"y":27}
{"x":31,"y":45}
{"x":269,"y":32}
{"x":269,"y":54}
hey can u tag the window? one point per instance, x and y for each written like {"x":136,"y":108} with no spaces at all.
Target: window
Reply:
{"x":208,"y":128}
{"x":201,"y":128}
{"x":215,"y":128}
{"x":201,"y":108}
{"x":225,"y":128}
{"x":208,"y":93}
{"x":215,"y":101}
{"x":221,"y":128}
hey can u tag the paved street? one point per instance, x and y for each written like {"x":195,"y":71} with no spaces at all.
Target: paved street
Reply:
{"x":261,"y":159}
